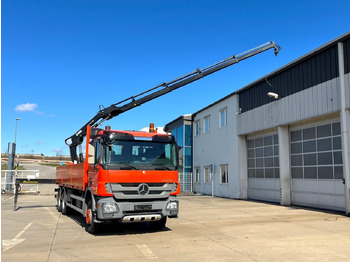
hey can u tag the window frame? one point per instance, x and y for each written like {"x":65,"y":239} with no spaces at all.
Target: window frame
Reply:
{"x":225,"y":167}
{"x":197,"y":127}
{"x":197,"y":174}
{"x":206,"y":123}
{"x":207,"y":176}
{"x":223,"y":110}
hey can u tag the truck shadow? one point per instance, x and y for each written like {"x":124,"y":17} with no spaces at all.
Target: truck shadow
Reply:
{"x":118,"y":228}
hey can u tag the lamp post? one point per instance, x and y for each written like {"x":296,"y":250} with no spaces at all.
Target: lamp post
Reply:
{"x":16,"y":128}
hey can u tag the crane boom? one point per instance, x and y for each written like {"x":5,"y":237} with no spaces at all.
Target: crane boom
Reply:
{"x":116,"y":109}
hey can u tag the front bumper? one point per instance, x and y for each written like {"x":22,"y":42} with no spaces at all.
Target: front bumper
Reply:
{"x":132,"y":211}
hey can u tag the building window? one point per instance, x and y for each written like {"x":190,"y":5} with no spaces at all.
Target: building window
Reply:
{"x":206,"y":124}
{"x":197,"y":172}
{"x":263,"y":157}
{"x":316,"y":152}
{"x":207,"y":174}
{"x":197,"y":129}
{"x":224,"y":174}
{"x":223,"y":117}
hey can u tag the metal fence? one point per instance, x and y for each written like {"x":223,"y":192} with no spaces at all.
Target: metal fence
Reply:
{"x":185,"y":180}
{"x":9,"y":186}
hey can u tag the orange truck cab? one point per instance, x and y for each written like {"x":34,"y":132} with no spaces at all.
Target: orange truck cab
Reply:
{"x":127,"y":176}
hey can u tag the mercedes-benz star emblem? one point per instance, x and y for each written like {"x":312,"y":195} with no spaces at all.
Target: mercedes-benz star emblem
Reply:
{"x":143,"y":189}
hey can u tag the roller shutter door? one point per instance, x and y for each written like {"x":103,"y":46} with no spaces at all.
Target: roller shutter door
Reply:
{"x":316,"y":166}
{"x":263,"y":168}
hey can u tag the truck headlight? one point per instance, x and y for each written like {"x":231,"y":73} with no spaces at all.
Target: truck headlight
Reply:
{"x":174,"y":188}
{"x":172,"y":205}
{"x":109,"y":208}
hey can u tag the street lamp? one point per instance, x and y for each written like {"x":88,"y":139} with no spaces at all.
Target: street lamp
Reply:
{"x":16,"y":129}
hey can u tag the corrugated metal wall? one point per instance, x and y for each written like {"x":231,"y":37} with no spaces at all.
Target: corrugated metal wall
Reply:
{"x":316,"y":101}
{"x":347,"y":71}
{"x":347,"y":56}
{"x":319,"y":68}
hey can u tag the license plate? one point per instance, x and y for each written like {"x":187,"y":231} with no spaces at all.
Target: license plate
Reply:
{"x":143,"y":208}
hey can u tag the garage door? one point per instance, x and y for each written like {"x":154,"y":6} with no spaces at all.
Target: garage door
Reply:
{"x":263,"y":168}
{"x":316,"y":167}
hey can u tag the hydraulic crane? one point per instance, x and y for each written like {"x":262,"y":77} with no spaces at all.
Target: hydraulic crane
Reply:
{"x":125,"y":105}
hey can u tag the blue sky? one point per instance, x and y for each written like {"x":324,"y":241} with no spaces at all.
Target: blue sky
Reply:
{"x":62,"y":59}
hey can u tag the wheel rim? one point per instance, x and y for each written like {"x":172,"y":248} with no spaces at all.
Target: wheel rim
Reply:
{"x":59,"y":201}
{"x":63,"y":204}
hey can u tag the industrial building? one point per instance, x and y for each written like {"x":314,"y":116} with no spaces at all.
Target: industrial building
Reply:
{"x":283,"y":138}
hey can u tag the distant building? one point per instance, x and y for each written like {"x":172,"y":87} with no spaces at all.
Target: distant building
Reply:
{"x":181,"y":129}
{"x":283,"y":138}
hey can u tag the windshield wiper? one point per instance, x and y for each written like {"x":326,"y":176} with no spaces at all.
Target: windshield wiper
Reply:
{"x":125,"y":166}
{"x":161,"y":167}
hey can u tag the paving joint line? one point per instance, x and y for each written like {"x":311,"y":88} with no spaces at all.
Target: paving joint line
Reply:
{"x":54,"y":237}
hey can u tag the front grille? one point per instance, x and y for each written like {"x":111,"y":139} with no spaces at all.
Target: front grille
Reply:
{"x":126,"y":191}
{"x":137,"y":184}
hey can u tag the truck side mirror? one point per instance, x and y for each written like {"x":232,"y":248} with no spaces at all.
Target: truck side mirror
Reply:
{"x":91,"y":158}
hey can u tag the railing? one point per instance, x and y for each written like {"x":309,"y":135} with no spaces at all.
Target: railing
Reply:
{"x":8,"y":187}
{"x":185,"y":180}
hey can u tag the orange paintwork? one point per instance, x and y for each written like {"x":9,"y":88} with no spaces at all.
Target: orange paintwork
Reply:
{"x":83,"y":175}
{"x":71,"y":176}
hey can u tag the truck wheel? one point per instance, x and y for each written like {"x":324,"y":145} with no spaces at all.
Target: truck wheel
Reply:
{"x":59,"y":200}
{"x":65,"y":209}
{"x":91,"y":226}
{"x":159,"y":225}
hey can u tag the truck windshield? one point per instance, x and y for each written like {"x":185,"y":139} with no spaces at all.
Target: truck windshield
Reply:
{"x":129,"y":155}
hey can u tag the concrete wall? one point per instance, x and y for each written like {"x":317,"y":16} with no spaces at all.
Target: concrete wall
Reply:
{"x":218,"y":147}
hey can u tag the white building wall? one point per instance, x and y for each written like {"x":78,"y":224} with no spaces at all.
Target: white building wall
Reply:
{"x":218,"y":147}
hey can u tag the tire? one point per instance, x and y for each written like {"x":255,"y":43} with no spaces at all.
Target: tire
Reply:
{"x":159,"y":225}
{"x":91,"y":226}
{"x":59,"y":200}
{"x":65,"y":209}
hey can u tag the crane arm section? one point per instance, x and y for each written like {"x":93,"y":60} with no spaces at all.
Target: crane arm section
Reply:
{"x":116,"y":109}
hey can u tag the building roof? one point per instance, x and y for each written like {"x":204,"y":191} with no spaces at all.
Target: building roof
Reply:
{"x":177,"y":122}
{"x":296,"y":61}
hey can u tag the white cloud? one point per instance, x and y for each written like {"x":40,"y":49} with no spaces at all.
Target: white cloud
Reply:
{"x":28,"y":107}
{"x":31,"y":107}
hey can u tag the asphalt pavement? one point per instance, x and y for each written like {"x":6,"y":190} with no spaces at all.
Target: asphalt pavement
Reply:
{"x":44,"y":171}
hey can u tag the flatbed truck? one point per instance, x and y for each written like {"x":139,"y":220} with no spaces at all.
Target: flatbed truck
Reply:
{"x":128,"y":176}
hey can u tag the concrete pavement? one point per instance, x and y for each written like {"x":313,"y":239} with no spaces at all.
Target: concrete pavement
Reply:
{"x":208,"y":229}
